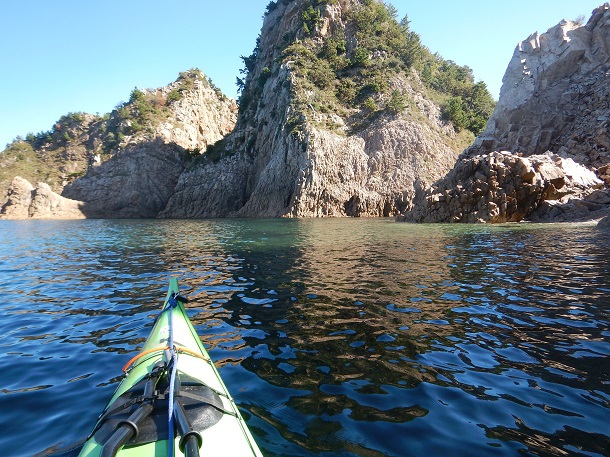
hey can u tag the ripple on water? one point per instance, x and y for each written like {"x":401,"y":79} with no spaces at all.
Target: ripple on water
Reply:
{"x":336,"y":337}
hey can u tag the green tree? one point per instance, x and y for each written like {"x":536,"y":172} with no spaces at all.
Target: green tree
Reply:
{"x":361,"y":57}
{"x":136,"y":95}
{"x":480,"y":105}
{"x":456,"y":113}
{"x":396,"y":103}
{"x":311,"y":19}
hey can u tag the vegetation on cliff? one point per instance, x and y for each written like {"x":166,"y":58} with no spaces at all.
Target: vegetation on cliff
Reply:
{"x":146,"y":109}
{"x":77,"y":140}
{"x":55,"y":157}
{"x":349,"y":71}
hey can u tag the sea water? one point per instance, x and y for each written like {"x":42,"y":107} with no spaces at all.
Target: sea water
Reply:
{"x":337,"y":337}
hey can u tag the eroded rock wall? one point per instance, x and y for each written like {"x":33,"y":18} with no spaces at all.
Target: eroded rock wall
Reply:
{"x":280,"y":162}
{"x":201,"y":117}
{"x":556,"y":95}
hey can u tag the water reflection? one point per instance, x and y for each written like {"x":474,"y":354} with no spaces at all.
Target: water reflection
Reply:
{"x":337,"y":337}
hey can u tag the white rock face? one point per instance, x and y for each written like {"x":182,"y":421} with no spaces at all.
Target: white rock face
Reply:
{"x":28,"y":202}
{"x":19,"y":198}
{"x":200,"y":118}
{"x":554,"y":94}
{"x":139,"y":177}
{"x":138,"y":181}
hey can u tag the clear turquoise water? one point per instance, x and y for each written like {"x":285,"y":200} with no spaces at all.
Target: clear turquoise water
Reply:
{"x":349,"y":337}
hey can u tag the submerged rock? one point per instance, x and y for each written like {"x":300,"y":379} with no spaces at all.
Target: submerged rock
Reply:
{"x":604,"y":223}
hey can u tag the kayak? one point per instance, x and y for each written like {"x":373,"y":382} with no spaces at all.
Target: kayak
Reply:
{"x":172,"y":401}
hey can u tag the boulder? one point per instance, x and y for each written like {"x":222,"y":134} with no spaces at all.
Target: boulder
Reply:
{"x":505,"y":187}
{"x":19,"y":198}
{"x":28,"y":202}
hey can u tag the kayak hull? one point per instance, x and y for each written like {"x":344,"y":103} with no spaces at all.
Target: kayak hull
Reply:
{"x":227,"y":434}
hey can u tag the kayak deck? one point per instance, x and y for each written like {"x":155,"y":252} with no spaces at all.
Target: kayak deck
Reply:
{"x":207,"y":416}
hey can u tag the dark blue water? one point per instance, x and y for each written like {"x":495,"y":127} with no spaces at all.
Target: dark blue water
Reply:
{"x":336,"y":337}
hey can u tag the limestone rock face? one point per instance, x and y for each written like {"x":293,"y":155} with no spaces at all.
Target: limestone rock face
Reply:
{"x":199,"y":118}
{"x":28,"y":202}
{"x":555,"y":95}
{"x":283,"y":162}
{"x":136,"y":183}
{"x":371,"y":174}
{"x":139,"y":179}
{"x":504,"y":187}
{"x":136,"y":177}
{"x":182,"y":151}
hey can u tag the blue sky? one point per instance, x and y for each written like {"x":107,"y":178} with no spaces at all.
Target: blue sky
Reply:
{"x":65,"y":56}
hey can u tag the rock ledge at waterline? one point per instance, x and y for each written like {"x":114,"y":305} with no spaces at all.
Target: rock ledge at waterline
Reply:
{"x":26,"y":201}
{"x":554,"y":97}
{"x":505,"y":187}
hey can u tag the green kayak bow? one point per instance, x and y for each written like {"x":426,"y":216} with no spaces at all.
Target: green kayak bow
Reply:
{"x":172,"y":401}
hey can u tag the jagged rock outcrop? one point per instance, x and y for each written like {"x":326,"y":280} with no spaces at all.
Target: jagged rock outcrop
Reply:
{"x":282,"y":159}
{"x":556,"y":95}
{"x":139,"y":179}
{"x":134,"y":157}
{"x":504,"y":187}
{"x":28,"y":202}
{"x":200,"y":117}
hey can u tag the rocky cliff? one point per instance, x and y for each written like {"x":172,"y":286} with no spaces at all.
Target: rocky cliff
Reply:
{"x":139,"y":178}
{"x":555,"y":94}
{"x":291,"y":155}
{"x":125,"y":164}
{"x":336,"y":118}
{"x":555,"y":97}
